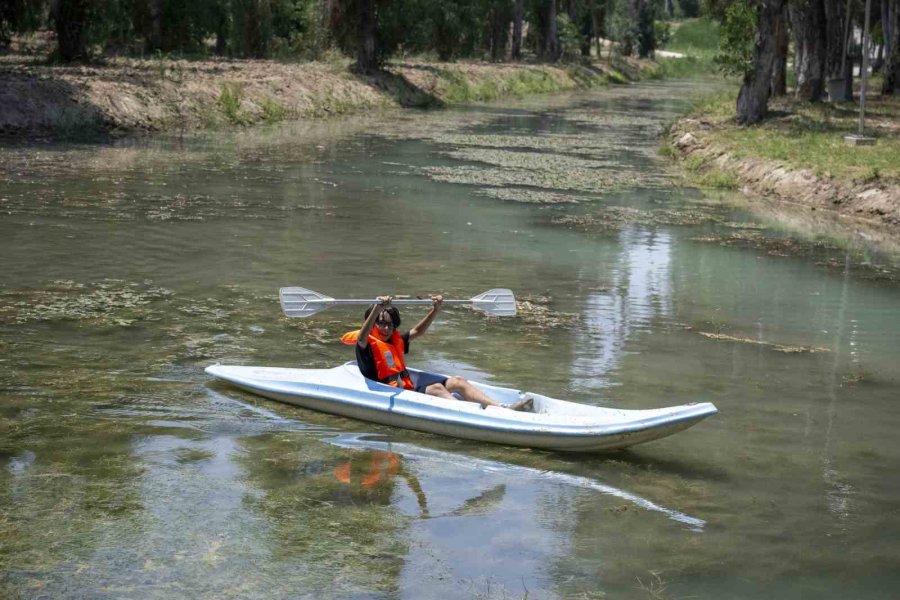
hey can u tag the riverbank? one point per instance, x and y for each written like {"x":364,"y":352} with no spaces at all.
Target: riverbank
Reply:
{"x":130,"y":95}
{"x":798,"y":156}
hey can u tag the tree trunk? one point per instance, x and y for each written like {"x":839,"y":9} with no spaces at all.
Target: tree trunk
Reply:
{"x":779,"y":67}
{"x":670,"y":8}
{"x":835,"y":25}
{"x":808,"y":23}
{"x":70,"y":20}
{"x":891,"y":70}
{"x":646,"y":31}
{"x":518,"y":11}
{"x":499,"y":31}
{"x":597,"y":17}
{"x":752,"y":101}
{"x":550,"y":38}
{"x":367,"y":55}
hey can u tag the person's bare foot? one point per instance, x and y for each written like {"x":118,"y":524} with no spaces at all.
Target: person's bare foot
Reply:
{"x":523,"y":404}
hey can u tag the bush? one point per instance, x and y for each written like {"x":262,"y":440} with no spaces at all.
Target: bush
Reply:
{"x":663,"y":32}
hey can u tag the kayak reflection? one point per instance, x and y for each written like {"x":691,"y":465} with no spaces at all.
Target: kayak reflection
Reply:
{"x":433,"y":459}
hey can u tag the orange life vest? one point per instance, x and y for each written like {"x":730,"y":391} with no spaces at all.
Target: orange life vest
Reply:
{"x":388,"y":358}
{"x":382,"y":465}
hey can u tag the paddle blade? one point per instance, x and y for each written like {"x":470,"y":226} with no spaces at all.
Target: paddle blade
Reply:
{"x":301,"y":302}
{"x":497,"y":302}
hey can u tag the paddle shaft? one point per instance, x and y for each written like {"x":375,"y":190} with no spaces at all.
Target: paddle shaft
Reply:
{"x":407,"y":301}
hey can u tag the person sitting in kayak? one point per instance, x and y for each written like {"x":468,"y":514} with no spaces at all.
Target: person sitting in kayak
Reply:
{"x":380,"y":349}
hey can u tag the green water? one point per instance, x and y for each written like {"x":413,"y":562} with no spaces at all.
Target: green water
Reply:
{"x":126,"y":269}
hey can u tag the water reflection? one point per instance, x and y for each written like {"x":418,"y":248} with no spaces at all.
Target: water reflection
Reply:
{"x":438,"y":461}
{"x":640,"y":290}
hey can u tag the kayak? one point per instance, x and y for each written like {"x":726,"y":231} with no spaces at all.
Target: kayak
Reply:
{"x":554,"y":424}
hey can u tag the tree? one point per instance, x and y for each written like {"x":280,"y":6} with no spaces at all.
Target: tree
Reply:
{"x":779,"y":65}
{"x":836,"y":67}
{"x":891,"y":28}
{"x":518,"y":14}
{"x":808,"y":24}
{"x":500,"y":16}
{"x":752,"y":101}
{"x":549,"y":34}
{"x":644,"y":13}
{"x":367,"y":59}
{"x":71,"y":19}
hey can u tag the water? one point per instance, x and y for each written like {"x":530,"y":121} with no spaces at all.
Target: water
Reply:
{"x":125,"y":472}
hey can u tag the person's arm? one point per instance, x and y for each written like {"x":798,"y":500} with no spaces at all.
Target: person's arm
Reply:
{"x":377,"y":309}
{"x":423,"y":325}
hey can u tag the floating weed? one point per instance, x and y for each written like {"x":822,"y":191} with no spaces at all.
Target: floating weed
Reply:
{"x":528,"y":196}
{"x":773,"y":346}
{"x":536,"y":312}
{"x":192,"y":455}
{"x":613,"y":218}
{"x":589,"y":181}
{"x":110,"y":302}
{"x":655,"y":587}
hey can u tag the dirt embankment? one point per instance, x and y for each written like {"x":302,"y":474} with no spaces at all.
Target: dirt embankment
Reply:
{"x":876,"y":201}
{"x":126,"y":95}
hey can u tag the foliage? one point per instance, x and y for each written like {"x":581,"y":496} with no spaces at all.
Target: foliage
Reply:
{"x":569,"y":38}
{"x":689,"y":8}
{"x":695,"y":37}
{"x":20,"y":16}
{"x":663,"y":33}
{"x":450,"y":29}
{"x":736,"y":39}
{"x":620,"y":27}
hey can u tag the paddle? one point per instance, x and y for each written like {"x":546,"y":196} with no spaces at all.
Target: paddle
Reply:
{"x":301,"y":302}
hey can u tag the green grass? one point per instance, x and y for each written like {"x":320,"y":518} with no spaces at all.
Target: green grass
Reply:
{"x":230,"y":103}
{"x":272,"y":111}
{"x":456,"y":88}
{"x":698,"y":41}
{"x":810,"y":136}
{"x":695,"y":37}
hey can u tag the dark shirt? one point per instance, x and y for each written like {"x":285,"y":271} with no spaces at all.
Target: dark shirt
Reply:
{"x":366,"y":360}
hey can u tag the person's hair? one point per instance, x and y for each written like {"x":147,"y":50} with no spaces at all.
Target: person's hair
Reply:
{"x":391,"y":310}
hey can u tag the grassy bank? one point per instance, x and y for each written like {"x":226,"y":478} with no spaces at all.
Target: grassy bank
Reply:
{"x":127,"y":95}
{"x":798,"y":154}
{"x":804,"y":135}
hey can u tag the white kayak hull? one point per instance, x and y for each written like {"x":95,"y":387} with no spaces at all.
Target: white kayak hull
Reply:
{"x":555,"y":424}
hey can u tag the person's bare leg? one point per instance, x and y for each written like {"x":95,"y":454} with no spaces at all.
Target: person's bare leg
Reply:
{"x":437,"y":389}
{"x":470,"y":393}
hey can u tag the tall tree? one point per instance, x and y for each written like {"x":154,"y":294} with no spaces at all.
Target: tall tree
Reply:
{"x":367,"y":50}
{"x":752,"y":101}
{"x":644,"y":14}
{"x":550,"y":49}
{"x":500,"y":17}
{"x":71,"y":19}
{"x":808,"y":24}
{"x":779,"y":66}
{"x":518,"y":14}
{"x":891,"y":69}
{"x":836,"y":67}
